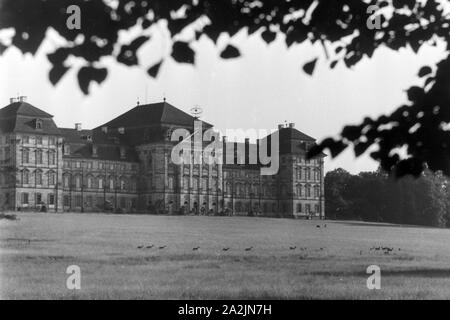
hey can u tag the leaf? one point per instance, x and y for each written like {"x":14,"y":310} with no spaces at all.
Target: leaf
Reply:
{"x":182,"y":52}
{"x":425,"y":71}
{"x":310,"y":66}
{"x":268,"y":36}
{"x":154,"y":70}
{"x":88,"y":74}
{"x":127,"y":53}
{"x":230,"y":52}
{"x":56,"y":73}
{"x":58,"y":56}
{"x":333,"y":64}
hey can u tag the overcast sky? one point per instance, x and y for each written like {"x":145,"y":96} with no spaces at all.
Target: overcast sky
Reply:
{"x":263,"y":88}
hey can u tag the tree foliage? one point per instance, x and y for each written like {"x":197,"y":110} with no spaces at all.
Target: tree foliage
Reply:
{"x":376,"y":196}
{"x":339,"y":26}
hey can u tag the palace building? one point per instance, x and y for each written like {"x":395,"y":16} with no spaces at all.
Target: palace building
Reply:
{"x":125,"y":166}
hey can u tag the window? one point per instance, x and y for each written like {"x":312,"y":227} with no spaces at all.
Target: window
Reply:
{"x":26,"y":139}
{"x":316,"y":208}
{"x":39,"y":124}
{"x":39,"y":140}
{"x":25,"y":177}
{"x":111,"y":184}
{"x":39,"y":156}
{"x":66,"y":181}
{"x":51,"y":141}
{"x":308,"y":191}
{"x":100,"y":183}
{"x":51,"y":158}
{"x":299,"y":207}
{"x":78,"y":201}
{"x":77,"y":182}
{"x":51,"y":199}
{"x":89,"y":182}
{"x":51,"y":178}
{"x":316,"y":191}
{"x":66,"y":201}
{"x":308,"y":208}
{"x":38,"y":198}
{"x":39,"y":177}
{"x":25,"y":156}
{"x":24,"y":198}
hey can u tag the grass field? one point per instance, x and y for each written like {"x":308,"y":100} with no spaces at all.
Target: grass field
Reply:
{"x":328,"y":262}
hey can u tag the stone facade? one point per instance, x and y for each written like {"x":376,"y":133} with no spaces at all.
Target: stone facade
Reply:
{"x":125,"y":166}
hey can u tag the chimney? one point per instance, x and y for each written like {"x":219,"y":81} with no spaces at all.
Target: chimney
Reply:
{"x":122,"y":153}
{"x":224,"y":138}
{"x":23,"y":98}
{"x":105,"y":129}
{"x":291,"y":125}
{"x":78,"y":126}
{"x":280,"y":126}
{"x":121,"y":130}
{"x":12,"y":100}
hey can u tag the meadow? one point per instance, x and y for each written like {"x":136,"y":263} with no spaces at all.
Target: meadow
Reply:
{"x":192,"y":257}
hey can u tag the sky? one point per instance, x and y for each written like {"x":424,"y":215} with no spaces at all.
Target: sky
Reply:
{"x":263,"y":88}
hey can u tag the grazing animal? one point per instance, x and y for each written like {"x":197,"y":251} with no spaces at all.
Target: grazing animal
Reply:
{"x":317,"y":226}
{"x":161,"y":247}
{"x":149,"y":247}
{"x":225,"y":249}
{"x":140,"y":247}
{"x":292,"y":248}
{"x":248,"y":249}
{"x":325,"y":225}
{"x":195,"y":249}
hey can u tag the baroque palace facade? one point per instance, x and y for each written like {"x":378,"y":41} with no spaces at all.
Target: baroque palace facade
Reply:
{"x":125,"y":165}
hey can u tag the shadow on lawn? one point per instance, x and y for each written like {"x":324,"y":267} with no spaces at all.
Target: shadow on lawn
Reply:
{"x":379,"y":224}
{"x":425,"y":273}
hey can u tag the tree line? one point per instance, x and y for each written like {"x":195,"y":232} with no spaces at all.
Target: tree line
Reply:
{"x":378,"y":196}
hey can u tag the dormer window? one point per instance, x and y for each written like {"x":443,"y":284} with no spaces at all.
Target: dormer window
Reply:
{"x":38,"y":123}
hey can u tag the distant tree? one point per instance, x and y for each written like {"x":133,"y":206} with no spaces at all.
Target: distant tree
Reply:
{"x":344,"y":28}
{"x":376,"y":196}
{"x":336,"y":187}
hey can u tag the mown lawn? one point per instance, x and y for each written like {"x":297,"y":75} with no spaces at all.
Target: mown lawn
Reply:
{"x":328,"y":262}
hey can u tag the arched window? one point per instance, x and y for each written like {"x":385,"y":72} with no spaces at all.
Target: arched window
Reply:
{"x":299,"y":190}
{"x":38,"y":177}
{"x":78,"y":182}
{"x":25,"y":156}
{"x":66,"y":181}
{"x":100,"y":183}
{"x":89,"y":182}
{"x":308,"y":191}
{"x":39,"y":156}
{"x":51,"y":178}
{"x":25,"y":177}
{"x":316,"y":191}
{"x":51,"y":158}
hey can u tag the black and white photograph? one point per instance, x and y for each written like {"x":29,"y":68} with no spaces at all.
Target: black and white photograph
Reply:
{"x":242,"y":151}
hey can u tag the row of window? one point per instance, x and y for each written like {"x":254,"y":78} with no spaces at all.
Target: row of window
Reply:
{"x":89,"y":201}
{"x":94,"y":165}
{"x":39,"y":157}
{"x":307,"y":173}
{"x":39,"y":140}
{"x":36,"y":177}
{"x":38,"y":199}
{"x":98,"y":183}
